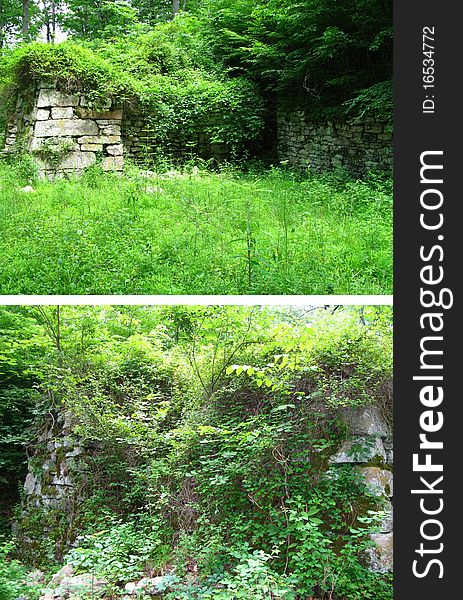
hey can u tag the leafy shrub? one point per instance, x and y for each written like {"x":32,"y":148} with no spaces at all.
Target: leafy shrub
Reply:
{"x":122,"y":551}
{"x":376,"y":101}
{"x":72,"y":66}
{"x":13,"y":582}
{"x":224,"y":111}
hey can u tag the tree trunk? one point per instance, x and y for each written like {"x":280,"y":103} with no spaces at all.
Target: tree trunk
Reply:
{"x":26,"y":19}
{"x":176,"y":6}
{"x":53,"y":21}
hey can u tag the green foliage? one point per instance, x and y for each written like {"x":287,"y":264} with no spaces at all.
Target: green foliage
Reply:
{"x":13,"y":580}
{"x":347,"y":367}
{"x":325,"y":52}
{"x":71,"y":65}
{"x":23,"y":348}
{"x":165,"y":74}
{"x":167,"y":48}
{"x":333,"y":57}
{"x":209,"y":432}
{"x":121,"y":551}
{"x":374,"y":101}
{"x":195,"y":231}
{"x":225,"y":112}
{"x":95,"y":18}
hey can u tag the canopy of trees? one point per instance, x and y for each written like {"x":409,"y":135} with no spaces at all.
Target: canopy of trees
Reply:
{"x":322,"y":54}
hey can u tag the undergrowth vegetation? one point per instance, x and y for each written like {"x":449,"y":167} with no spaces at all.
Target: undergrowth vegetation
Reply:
{"x":208,"y":434}
{"x":195,"y":231}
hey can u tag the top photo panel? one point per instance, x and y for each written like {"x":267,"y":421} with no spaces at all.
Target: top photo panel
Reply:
{"x":196,"y":147}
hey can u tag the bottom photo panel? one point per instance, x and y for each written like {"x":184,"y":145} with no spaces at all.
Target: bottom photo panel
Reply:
{"x":189,"y":452}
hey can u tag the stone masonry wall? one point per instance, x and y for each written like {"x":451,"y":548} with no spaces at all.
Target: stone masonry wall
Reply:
{"x":140,"y":142}
{"x":369,"y":446}
{"x":53,"y":465}
{"x":65,"y":132}
{"x":355,"y":147}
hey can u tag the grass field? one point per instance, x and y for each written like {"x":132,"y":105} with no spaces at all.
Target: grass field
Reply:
{"x":194,"y":232}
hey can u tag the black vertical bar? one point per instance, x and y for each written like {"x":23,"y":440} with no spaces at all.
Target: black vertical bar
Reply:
{"x":415,"y":132}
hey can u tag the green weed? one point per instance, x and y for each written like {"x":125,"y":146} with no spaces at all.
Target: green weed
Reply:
{"x":194,"y":232}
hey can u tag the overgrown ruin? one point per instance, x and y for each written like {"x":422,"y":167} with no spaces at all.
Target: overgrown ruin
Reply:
{"x":56,"y":475}
{"x":67,"y":133}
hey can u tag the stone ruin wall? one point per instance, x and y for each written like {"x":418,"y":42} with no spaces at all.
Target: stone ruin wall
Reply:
{"x":57,"y":463}
{"x":370,"y":431}
{"x":140,"y":142}
{"x":86,"y":134}
{"x":356,"y":147}
{"x":65,"y":132}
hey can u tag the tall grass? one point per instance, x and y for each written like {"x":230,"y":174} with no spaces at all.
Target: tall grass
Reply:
{"x":194,"y":232}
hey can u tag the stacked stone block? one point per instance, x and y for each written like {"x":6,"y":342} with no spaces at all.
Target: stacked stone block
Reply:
{"x":53,"y":466}
{"x":66,"y":133}
{"x":356,"y":147}
{"x":369,"y":446}
{"x":141,"y":143}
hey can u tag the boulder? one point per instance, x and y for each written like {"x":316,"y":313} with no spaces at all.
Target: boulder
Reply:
{"x":91,"y":147}
{"x":95,"y":139}
{"x":150,"y":586}
{"x":81,"y":585}
{"x":387,"y":524}
{"x":381,"y":555}
{"x":380,"y":481}
{"x":115,"y":150}
{"x":62,"y":113}
{"x":113,"y":163}
{"x":29,"y":484}
{"x":42,"y":114}
{"x":65,"y":572}
{"x":111,"y":130}
{"x":359,"y":450}
{"x":112,"y":115}
{"x":78,"y":161}
{"x":365,"y":420}
{"x":130,"y":587}
{"x":34,"y":577}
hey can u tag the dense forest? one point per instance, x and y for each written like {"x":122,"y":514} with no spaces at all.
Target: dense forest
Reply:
{"x":190,"y":449}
